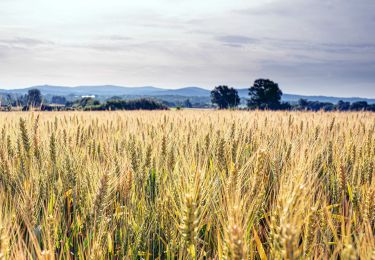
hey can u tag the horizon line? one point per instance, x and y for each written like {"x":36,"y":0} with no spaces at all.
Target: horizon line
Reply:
{"x":177,"y":88}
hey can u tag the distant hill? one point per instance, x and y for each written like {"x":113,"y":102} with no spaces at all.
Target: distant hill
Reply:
{"x":292,"y":98}
{"x":106,"y":91}
{"x":188,"y":91}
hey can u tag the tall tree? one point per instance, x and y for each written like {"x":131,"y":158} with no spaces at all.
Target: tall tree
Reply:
{"x":264,"y":94}
{"x":225,"y":97}
{"x":58,"y":100}
{"x":343,"y":106}
{"x":34,"y":98}
{"x":187,"y":103}
{"x":359,"y":105}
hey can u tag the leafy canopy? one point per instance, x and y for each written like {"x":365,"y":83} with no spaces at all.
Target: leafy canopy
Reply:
{"x":225,"y":97}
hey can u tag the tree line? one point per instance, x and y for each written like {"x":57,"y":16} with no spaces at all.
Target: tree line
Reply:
{"x":266,"y":95}
{"x":34,"y":100}
{"x":263,"y":95}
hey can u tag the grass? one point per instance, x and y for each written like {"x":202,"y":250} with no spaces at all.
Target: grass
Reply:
{"x":187,"y":184}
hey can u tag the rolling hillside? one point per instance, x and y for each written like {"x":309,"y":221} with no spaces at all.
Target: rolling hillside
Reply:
{"x":106,"y":91}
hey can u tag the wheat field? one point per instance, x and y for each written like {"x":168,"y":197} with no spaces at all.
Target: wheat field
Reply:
{"x":187,"y":185}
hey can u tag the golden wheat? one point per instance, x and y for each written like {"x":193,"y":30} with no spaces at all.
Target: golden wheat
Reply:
{"x":187,"y":184}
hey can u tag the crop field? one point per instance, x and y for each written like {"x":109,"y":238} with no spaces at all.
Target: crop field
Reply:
{"x":189,"y":184}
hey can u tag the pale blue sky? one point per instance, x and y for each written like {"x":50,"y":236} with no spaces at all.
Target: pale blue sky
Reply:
{"x":310,"y":47}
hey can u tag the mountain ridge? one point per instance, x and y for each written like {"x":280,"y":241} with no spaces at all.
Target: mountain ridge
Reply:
{"x":190,"y":91}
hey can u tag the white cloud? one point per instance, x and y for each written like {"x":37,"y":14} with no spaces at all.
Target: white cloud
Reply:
{"x":174,"y":43}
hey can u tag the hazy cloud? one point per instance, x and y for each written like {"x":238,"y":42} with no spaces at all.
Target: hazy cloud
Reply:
{"x":119,"y":38}
{"x":24,"y":42}
{"x":303,"y":45}
{"x":236,"y":40}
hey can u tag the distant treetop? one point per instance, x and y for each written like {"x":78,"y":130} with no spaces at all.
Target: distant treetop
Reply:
{"x":225,"y":97}
{"x":265,"y":94}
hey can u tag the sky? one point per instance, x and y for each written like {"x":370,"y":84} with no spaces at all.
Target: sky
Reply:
{"x":311,"y":47}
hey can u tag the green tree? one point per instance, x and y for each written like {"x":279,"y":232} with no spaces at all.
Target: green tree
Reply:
{"x":34,"y":98}
{"x":225,"y":97}
{"x":187,"y":104}
{"x":58,"y":100}
{"x":7,"y":100}
{"x":343,"y":106}
{"x":359,"y":106}
{"x":88,"y":101}
{"x":265,"y":94}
